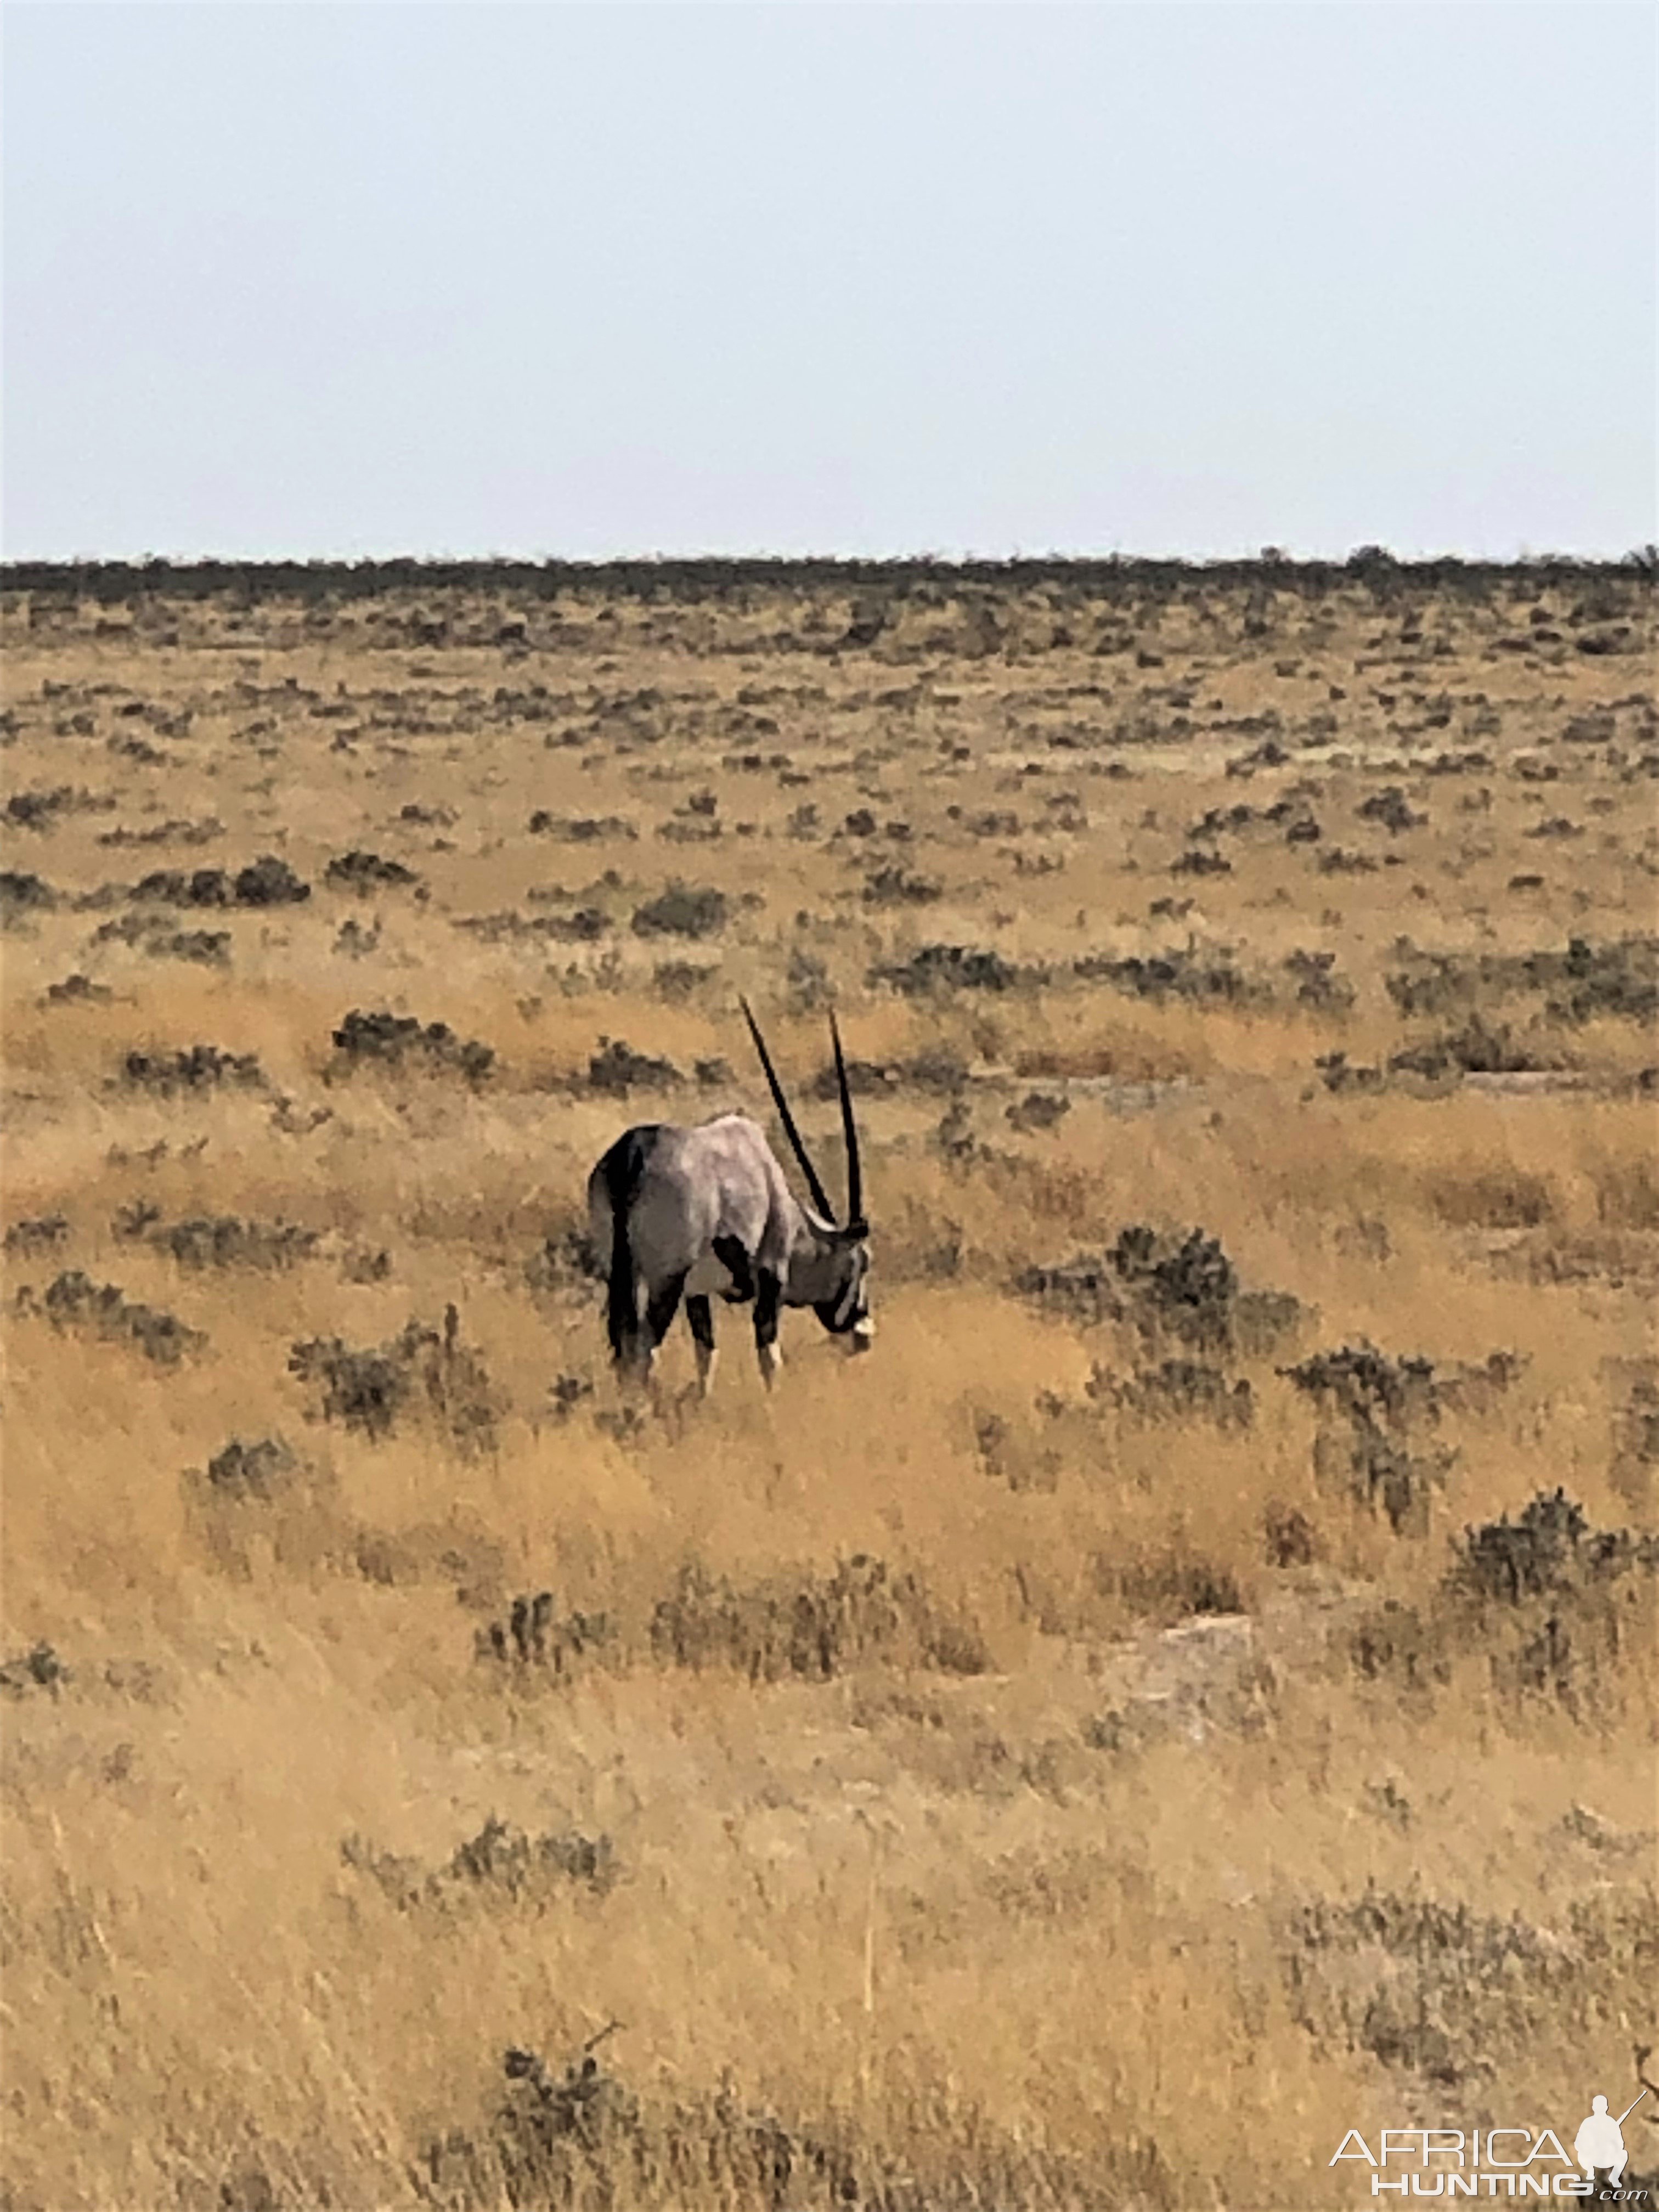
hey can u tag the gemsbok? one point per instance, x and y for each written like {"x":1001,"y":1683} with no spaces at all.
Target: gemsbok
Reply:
{"x":695,"y":1212}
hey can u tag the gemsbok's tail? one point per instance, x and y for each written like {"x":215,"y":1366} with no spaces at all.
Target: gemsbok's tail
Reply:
{"x":623,"y":1170}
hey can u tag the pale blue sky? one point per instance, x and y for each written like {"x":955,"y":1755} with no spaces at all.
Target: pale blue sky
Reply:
{"x":582,"y":281}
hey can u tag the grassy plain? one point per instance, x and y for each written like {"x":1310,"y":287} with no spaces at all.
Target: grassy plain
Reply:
{"x":1075,"y":1756}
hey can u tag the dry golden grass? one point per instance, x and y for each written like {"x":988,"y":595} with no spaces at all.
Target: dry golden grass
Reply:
{"x":1002,"y":1886}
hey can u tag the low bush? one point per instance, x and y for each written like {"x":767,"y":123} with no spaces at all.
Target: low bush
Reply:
{"x":371,"y":1390}
{"x":810,"y":1625}
{"x":682,"y":911}
{"x":401,"y":1042}
{"x":364,"y":872}
{"x":616,"y":1069}
{"x":197,"y":1067}
{"x":74,"y":1302}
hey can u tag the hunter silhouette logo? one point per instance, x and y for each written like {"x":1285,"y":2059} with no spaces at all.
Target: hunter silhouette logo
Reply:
{"x":1600,"y":2141}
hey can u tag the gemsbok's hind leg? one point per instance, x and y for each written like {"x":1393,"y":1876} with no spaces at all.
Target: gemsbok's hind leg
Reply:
{"x":660,"y":1308}
{"x":701,"y":1315}
{"x":631,"y":1362}
{"x":630,"y":1349}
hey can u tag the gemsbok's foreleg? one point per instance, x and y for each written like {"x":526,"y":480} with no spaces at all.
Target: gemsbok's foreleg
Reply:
{"x":768,"y":1300}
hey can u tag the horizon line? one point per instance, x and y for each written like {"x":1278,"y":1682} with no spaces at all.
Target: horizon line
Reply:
{"x":1643,"y":556}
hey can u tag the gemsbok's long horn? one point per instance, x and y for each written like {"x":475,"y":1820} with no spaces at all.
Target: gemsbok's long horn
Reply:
{"x":855,"y":1220}
{"x":820,"y":1196}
